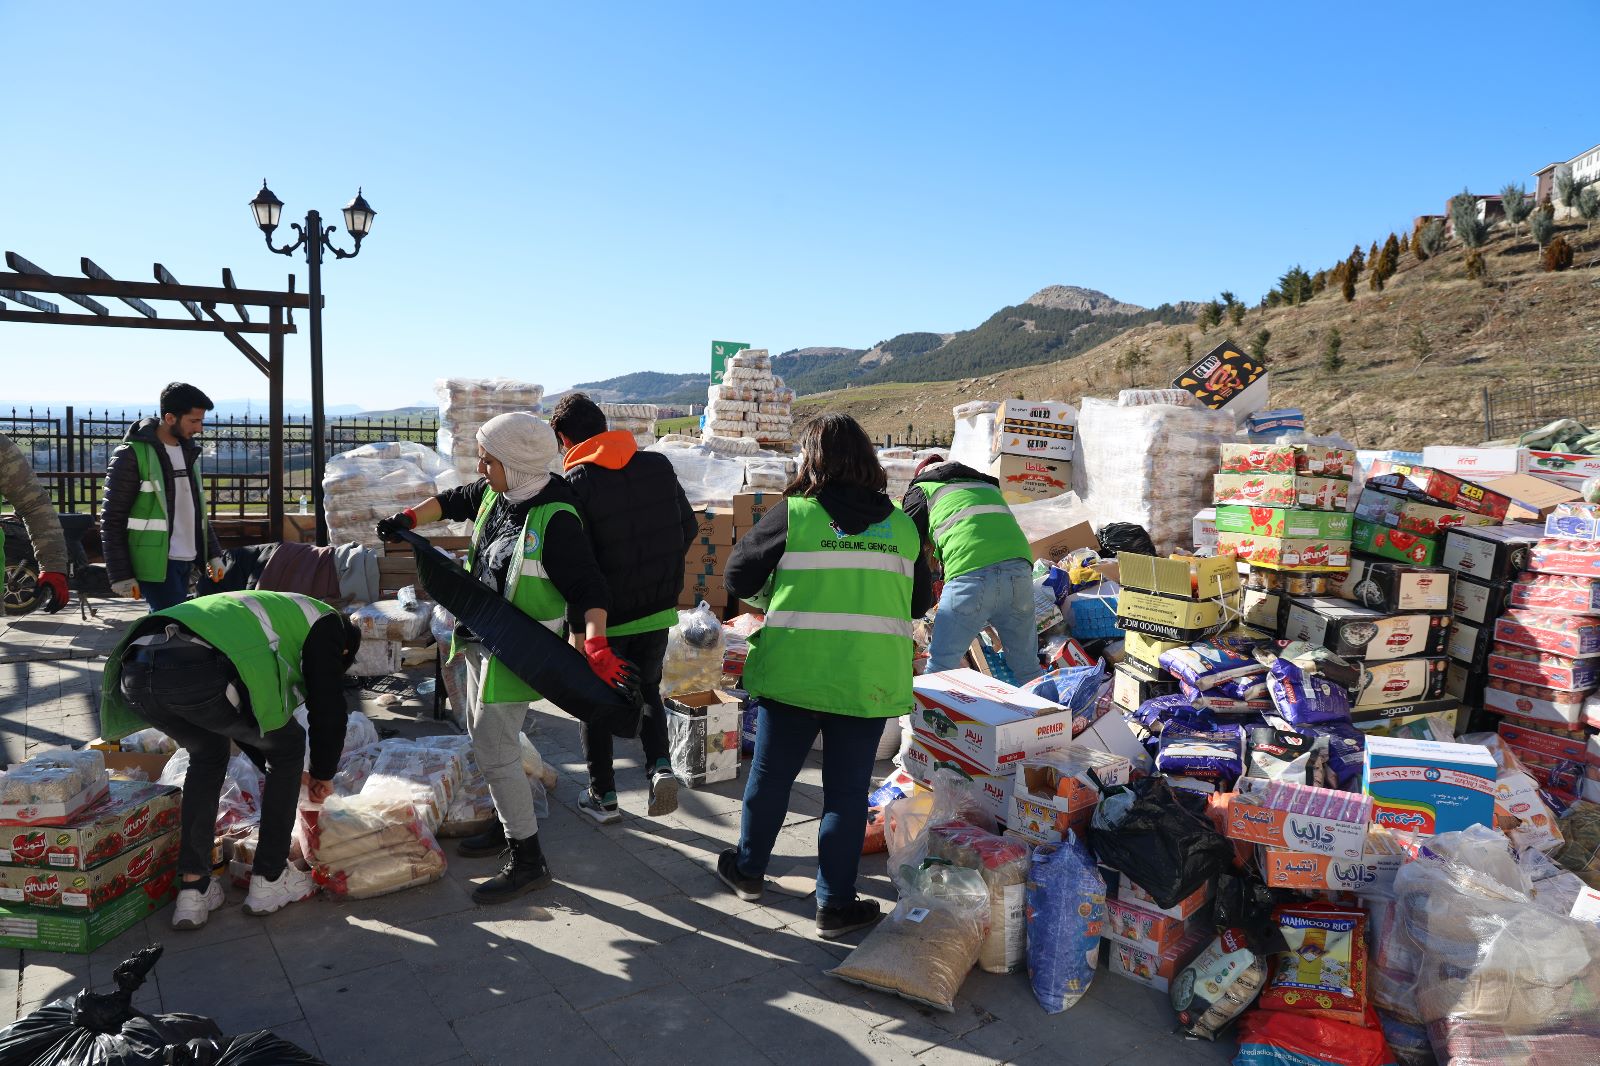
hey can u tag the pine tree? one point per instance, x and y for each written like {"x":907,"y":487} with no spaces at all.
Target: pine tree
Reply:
{"x":1357,"y":260}
{"x":1391,"y":248}
{"x":1332,"y":361}
{"x":1372,"y":254}
{"x":1430,"y":238}
{"x":1236,"y":313}
{"x":1405,"y":242}
{"x":1347,"y":287}
{"x":1470,"y":229}
{"x":1258,"y":345}
{"x":1295,"y":286}
{"x":1518,"y":205}
{"x":1542,"y":225}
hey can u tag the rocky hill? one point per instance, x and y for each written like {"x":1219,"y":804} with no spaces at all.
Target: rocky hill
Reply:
{"x":1417,"y":357}
{"x":1073,"y":298}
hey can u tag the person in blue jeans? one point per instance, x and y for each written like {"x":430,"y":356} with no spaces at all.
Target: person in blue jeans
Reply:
{"x":842,"y":572}
{"x":984,"y":555}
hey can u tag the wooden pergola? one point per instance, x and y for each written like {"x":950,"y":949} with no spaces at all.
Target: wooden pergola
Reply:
{"x":200,"y":302}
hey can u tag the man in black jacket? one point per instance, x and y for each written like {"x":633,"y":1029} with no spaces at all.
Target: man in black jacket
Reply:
{"x":153,"y":522}
{"x":641,"y":525}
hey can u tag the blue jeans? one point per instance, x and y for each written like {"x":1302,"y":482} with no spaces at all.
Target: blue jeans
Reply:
{"x":171,"y":592}
{"x":999,"y":595}
{"x":849,"y":748}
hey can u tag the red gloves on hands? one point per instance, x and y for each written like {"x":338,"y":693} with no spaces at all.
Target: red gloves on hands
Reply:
{"x":617,"y":672}
{"x":57,"y":584}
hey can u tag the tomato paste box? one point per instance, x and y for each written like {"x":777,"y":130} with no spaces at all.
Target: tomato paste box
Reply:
{"x":1304,"y":818}
{"x":1426,"y":786}
{"x":986,"y":721}
{"x":1574,"y":636}
{"x":1282,"y":490}
{"x":1372,"y":874}
{"x":1576,"y":558}
{"x":89,"y":889}
{"x":1129,"y":892}
{"x":1151,"y":969}
{"x":1145,"y":930}
{"x":1555,"y":592}
{"x":1448,"y":489}
{"x":132,"y":812}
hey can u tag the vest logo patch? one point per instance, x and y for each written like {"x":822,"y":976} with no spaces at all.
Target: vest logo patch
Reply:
{"x":876,"y":531}
{"x":530,"y":544}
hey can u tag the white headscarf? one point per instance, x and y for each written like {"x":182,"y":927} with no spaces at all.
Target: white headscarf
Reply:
{"x":525,"y":446}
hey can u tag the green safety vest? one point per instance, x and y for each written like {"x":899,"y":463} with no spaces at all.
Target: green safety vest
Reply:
{"x":530,"y":591}
{"x":971,"y":526}
{"x":838,"y":632}
{"x":261,"y":633}
{"x":149,"y":521}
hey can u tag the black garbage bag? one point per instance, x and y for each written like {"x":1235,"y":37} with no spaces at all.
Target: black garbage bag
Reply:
{"x":1161,"y":840}
{"x":252,"y":1049}
{"x":551,"y":665}
{"x":92,"y":1029}
{"x":1247,"y":904}
{"x":1118,"y":537}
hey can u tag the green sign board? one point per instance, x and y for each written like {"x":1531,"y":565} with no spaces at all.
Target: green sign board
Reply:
{"x":720,"y":350}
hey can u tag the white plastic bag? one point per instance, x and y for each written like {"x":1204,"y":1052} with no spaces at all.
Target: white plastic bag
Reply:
{"x":695,"y":647}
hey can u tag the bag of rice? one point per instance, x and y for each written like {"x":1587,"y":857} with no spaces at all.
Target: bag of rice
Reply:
{"x":1003,"y":864}
{"x":1066,"y":901}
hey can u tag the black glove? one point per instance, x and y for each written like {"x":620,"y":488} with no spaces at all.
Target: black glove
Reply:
{"x":389,"y":528}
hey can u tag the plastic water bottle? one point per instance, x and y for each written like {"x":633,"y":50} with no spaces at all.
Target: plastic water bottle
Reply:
{"x":303,"y":504}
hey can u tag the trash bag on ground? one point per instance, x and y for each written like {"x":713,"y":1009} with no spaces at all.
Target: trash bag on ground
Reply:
{"x":1118,"y":537}
{"x":1066,"y":911}
{"x":102,"y":1029}
{"x":1160,"y":838}
{"x":252,"y":1049}
{"x":928,"y":944}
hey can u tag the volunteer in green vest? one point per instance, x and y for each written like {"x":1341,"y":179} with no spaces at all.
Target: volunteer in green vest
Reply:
{"x":984,"y":557}
{"x":21,"y":489}
{"x":842,"y":575}
{"x":232,"y":669}
{"x":153,"y":523}
{"x":528,"y":545}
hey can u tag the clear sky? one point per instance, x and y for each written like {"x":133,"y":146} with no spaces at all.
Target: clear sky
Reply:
{"x":569,"y":192}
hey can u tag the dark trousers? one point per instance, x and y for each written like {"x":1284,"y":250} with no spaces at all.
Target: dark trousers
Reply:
{"x":646,"y":652}
{"x":784,"y":736}
{"x":174,"y":590}
{"x":181,"y":692}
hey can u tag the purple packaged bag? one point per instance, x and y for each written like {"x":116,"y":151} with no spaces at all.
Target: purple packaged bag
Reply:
{"x":1303,"y":698}
{"x":1209,"y":663}
{"x":1205,"y":754}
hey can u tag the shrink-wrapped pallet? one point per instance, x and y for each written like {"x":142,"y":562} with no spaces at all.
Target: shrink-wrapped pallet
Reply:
{"x":467,"y":403}
{"x":751,"y":402}
{"x":367,"y":484}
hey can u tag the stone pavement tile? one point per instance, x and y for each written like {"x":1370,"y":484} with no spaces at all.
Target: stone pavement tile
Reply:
{"x":599,"y":865}
{"x":241,"y":986}
{"x":48,"y":975}
{"x":297,"y":1033}
{"x":1089,"y":1034}
{"x":670,"y":1027}
{"x":467,"y":969}
{"x":955,"y":1053}
{"x":1147,"y":1006}
{"x":714,"y":957}
{"x":378,"y":1015}
{"x":317,"y":940}
{"x":589,"y":960}
{"x":543,"y":1029}
{"x":229,"y":922}
{"x":785,"y":1016}
{"x":445,"y":896}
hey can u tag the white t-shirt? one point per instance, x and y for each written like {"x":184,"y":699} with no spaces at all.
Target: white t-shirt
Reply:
{"x":180,"y":542}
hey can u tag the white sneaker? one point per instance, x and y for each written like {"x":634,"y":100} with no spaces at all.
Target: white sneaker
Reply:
{"x":292,"y":886}
{"x":194,"y":907}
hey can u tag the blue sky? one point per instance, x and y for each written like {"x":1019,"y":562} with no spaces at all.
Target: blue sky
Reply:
{"x":566,"y":193}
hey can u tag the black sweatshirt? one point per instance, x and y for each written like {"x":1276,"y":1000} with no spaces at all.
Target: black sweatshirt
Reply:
{"x":568,"y":556}
{"x":916,"y":502}
{"x":852,"y":510}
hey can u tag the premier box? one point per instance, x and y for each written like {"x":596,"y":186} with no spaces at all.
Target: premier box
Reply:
{"x":1354,"y":632}
{"x":986,"y":721}
{"x":992,"y":791}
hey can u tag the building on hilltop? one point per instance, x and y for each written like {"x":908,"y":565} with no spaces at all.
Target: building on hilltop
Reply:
{"x":1585,"y":166}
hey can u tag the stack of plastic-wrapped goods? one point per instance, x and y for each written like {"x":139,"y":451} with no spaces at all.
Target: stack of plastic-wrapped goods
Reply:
{"x":467,"y":403}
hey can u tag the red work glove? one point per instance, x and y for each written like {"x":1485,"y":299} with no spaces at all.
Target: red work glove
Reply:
{"x":57,"y":584}
{"x":607,"y":666}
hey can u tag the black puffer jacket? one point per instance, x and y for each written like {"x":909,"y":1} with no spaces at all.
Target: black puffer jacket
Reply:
{"x":122,"y":488}
{"x":638,"y":519}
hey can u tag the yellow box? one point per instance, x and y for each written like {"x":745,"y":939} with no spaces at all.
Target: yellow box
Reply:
{"x":1182,"y":576}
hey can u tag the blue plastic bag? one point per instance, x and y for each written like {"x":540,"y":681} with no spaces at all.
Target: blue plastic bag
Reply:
{"x":1074,"y":687}
{"x":1066,"y":911}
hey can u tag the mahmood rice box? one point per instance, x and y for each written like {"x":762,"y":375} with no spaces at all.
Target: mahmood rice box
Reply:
{"x":1427,"y":786}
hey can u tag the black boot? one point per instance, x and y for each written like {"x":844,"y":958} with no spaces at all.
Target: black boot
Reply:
{"x":524,"y":871}
{"x":484,"y":845}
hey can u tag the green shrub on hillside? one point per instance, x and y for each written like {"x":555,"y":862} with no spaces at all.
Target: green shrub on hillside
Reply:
{"x":1542,"y":225}
{"x":1517,"y":203}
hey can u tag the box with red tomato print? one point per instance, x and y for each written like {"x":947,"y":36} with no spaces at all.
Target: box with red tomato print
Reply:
{"x":1313,"y":460}
{"x":89,"y":889}
{"x":1397,"y":544}
{"x":1282,"y":490}
{"x":1575,"y":636}
{"x":1447,"y":489}
{"x":1413,"y":512}
{"x":133,"y":812}
{"x":82,"y":931}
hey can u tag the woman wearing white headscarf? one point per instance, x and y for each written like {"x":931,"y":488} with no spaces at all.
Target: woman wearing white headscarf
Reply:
{"x":528,"y":544}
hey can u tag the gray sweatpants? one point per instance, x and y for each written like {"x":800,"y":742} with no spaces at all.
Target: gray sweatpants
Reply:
{"x":496,"y":730}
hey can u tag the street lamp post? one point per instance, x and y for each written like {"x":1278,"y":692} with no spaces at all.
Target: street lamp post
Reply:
{"x":315,"y":239}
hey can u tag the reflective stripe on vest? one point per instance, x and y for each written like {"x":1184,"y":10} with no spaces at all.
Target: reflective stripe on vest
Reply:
{"x":837,"y":636}
{"x":971,"y":526}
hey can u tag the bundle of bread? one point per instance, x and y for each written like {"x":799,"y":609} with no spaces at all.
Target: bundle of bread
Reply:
{"x":372,"y":843}
{"x":467,"y":403}
{"x":56,"y":778}
{"x":636,"y":418}
{"x":751,"y":401}
{"x":367,"y":484}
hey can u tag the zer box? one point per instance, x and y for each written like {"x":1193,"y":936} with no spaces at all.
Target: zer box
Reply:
{"x":988,"y":722}
{"x":1448,"y":489}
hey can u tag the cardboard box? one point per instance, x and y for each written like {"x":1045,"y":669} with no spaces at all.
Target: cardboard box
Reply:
{"x":1555,"y":592}
{"x":93,"y":888}
{"x":1563,"y":466}
{"x":1490,"y":553}
{"x":707,"y":559}
{"x":1469,"y":644}
{"x":1574,"y":636}
{"x":750,"y":507}
{"x":1182,"y":576}
{"x":1037,"y":429}
{"x":1226,"y":377}
{"x":1464,"y":682}
{"x":1282,"y":522}
{"x":1532,"y":497}
{"x":1184,"y":908}
{"x":1203,"y":529}
{"x":1152,"y":970}
{"x":987,"y":722}
{"x":14,"y":814}
{"x":1131,"y":687}
{"x":1474,"y":464}
{"x":1430,"y":725}
{"x":1573,"y":521}
{"x":1412,"y":512}
{"x":992,"y":791}
{"x":1528,"y":667}
{"x":148,"y":763}
{"x":1425,"y":786}
{"x":1282,"y":490}
{"x":1057,"y":793}
{"x":1389,"y":586}
{"x":1441,"y":704}
{"x":707,"y":587}
{"x":1372,"y":874}
{"x":1400,"y":681}
{"x":376,"y":658}
{"x":1262,"y":609}
{"x":703,"y":736}
{"x":1057,"y":546}
{"x":1147,"y":650}
{"x":1310,"y":460}
{"x":1025,"y":477}
{"x":1128,"y":923}
{"x":716,"y":526}
{"x":80,"y":932}
{"x":1285,"y":553}
{"x":1171,"y":618}
{"x":1536,"y":702}
{"x":1476,"y":601}
{"x":1551,"y":745}
{"x":1354,"y":632}
{"x":132,"y":812}
{"x":1574,"y":558}
{"x":1384,"y":542}
{"x":1302,"y":818}
{"x":1449,"y":490}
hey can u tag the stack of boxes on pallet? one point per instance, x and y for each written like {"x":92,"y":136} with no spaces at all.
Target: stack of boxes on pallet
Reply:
{"x":707,"y":561}
{"x":1033,"y":447}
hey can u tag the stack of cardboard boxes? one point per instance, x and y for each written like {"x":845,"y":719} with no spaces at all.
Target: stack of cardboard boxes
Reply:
{"x":1165,"y":604}
{"x":707,"y":561}
{"x":1033,"y":446}
{"x":1483,"y":562}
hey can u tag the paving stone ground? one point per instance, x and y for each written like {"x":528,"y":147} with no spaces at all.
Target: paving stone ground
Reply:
{"x":637,"y":954}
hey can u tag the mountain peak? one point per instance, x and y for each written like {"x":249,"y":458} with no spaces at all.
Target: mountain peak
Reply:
{"x":1074,"y":298}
